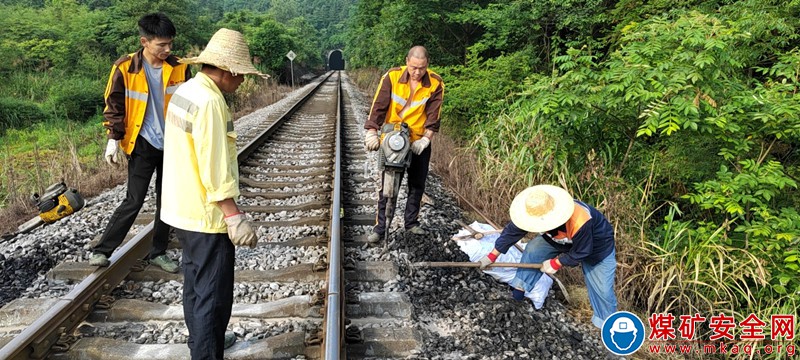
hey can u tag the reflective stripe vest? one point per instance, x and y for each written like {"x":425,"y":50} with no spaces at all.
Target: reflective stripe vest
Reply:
{"x":392,"y":95}
{"x":126,"y":95}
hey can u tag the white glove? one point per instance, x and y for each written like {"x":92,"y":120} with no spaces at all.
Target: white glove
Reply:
{"x":486,"y":261}
{"x":550,"y":266}
{"x":112,"y":152}
{"x":240,"y":231}
{"x":418,"y":146}
{"x":371,"y":141}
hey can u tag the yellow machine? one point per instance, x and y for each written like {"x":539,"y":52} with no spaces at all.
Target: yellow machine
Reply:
{"x":56,"y":203}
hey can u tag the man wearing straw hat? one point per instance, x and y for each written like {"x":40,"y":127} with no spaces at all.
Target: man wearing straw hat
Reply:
{"x":572,"y":233}
{"x":201,"y":181}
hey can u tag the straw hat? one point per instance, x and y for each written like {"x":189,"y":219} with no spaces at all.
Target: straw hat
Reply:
{"x":541,"y":208}
{"x":228,"y":51}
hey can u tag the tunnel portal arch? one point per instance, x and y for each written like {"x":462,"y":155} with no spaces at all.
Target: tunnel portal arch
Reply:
{"x":335,"y":60}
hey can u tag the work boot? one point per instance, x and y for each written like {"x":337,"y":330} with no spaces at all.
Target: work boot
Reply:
{"x":417,"y":230}
{"x":230,"y":339}
{"x":98,"y":259}
{"x":165,"y":263}
{"x":373,"y":238}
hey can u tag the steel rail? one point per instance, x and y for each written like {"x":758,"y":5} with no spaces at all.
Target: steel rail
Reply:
{"x":36,"y":341}
{"x":334,"y":317}
{"x":254,"y":144}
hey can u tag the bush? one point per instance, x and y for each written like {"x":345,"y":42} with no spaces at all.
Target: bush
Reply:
{"x":19,"y":113}
{"x":76,"y":99}
{"x":476,"y":93}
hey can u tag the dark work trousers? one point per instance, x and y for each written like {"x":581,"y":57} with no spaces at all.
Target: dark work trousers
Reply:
{"x":417,"y":174}
{"x":207,"y":264}
{"x":144,"y":160}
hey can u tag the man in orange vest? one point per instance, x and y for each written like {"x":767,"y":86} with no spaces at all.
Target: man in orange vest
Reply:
{"x":410,"y":94}
{"x":139,"y":88}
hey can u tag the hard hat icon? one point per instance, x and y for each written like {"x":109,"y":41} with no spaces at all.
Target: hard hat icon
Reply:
{"x":623,"y":324}
{"x":623,"y":333}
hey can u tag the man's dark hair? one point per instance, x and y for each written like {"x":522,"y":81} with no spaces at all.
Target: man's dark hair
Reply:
{"x":156,"y":25}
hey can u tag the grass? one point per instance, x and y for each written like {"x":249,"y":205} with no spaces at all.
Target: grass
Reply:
{"x":46,"y":153}
{"x":30,"y":85}
{"x":256,"y":93}
{"x":366,"y":79}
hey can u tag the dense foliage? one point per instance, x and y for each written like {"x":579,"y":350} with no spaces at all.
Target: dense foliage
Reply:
{"x":55,"y":57}
{"x":680,"y":119}
{"x":57,"y":53}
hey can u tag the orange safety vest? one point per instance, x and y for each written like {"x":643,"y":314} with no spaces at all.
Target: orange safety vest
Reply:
{"x":126,"y":95}
{"x":416,"y":115}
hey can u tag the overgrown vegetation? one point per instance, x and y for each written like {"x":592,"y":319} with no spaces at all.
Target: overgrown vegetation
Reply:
{"x":679,"y":120}
{"x":47,"y":152}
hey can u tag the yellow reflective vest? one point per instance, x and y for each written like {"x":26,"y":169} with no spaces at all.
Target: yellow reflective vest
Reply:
{"x":126,"y":95}
{"x":392,"y":95}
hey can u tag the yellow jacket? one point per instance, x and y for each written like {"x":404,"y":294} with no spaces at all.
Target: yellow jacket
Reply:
{"x":392,"y":95}
{"x":126,"y":95}
{"x":200,"y":164}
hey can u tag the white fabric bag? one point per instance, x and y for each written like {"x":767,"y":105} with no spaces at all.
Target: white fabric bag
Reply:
{"x":477,"y":249}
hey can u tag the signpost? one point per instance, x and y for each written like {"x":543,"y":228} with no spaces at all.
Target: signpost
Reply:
{"x":291,"y":55}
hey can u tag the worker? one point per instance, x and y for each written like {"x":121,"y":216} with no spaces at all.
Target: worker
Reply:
{"x":201,"y":183}
{"x":139,"y":88}
{"x":410,"y":94}
{"x":572,"y":233}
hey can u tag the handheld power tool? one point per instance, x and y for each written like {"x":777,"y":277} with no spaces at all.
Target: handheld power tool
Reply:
{"x":394,"y":157}
{"x":56,"y":203}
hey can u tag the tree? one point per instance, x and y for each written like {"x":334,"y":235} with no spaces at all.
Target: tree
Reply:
{"x":305,"y":43}
{"x":543,"y":26}
{"x":121,"y":36}
{"x":269,"y":41}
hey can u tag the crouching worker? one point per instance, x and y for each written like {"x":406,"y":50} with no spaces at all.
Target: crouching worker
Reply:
{"x":572,"y":233}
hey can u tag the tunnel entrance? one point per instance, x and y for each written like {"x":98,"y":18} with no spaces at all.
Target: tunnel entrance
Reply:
{"x":335,"y":60}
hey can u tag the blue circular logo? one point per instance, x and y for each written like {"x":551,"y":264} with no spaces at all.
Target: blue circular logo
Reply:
{"x":623,"y":333}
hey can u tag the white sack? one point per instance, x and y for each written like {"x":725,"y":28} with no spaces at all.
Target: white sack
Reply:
{"x":477,"y":249}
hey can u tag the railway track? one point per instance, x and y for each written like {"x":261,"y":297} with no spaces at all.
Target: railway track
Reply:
{"x":291,"y":176}
{"x":313,"y":288}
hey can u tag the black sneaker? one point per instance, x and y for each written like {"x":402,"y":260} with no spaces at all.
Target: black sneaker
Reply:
{"x":230,"y":339}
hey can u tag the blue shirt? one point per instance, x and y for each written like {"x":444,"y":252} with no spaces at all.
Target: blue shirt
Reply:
{"x":593,"y":242}
{"x":153,"y":124}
